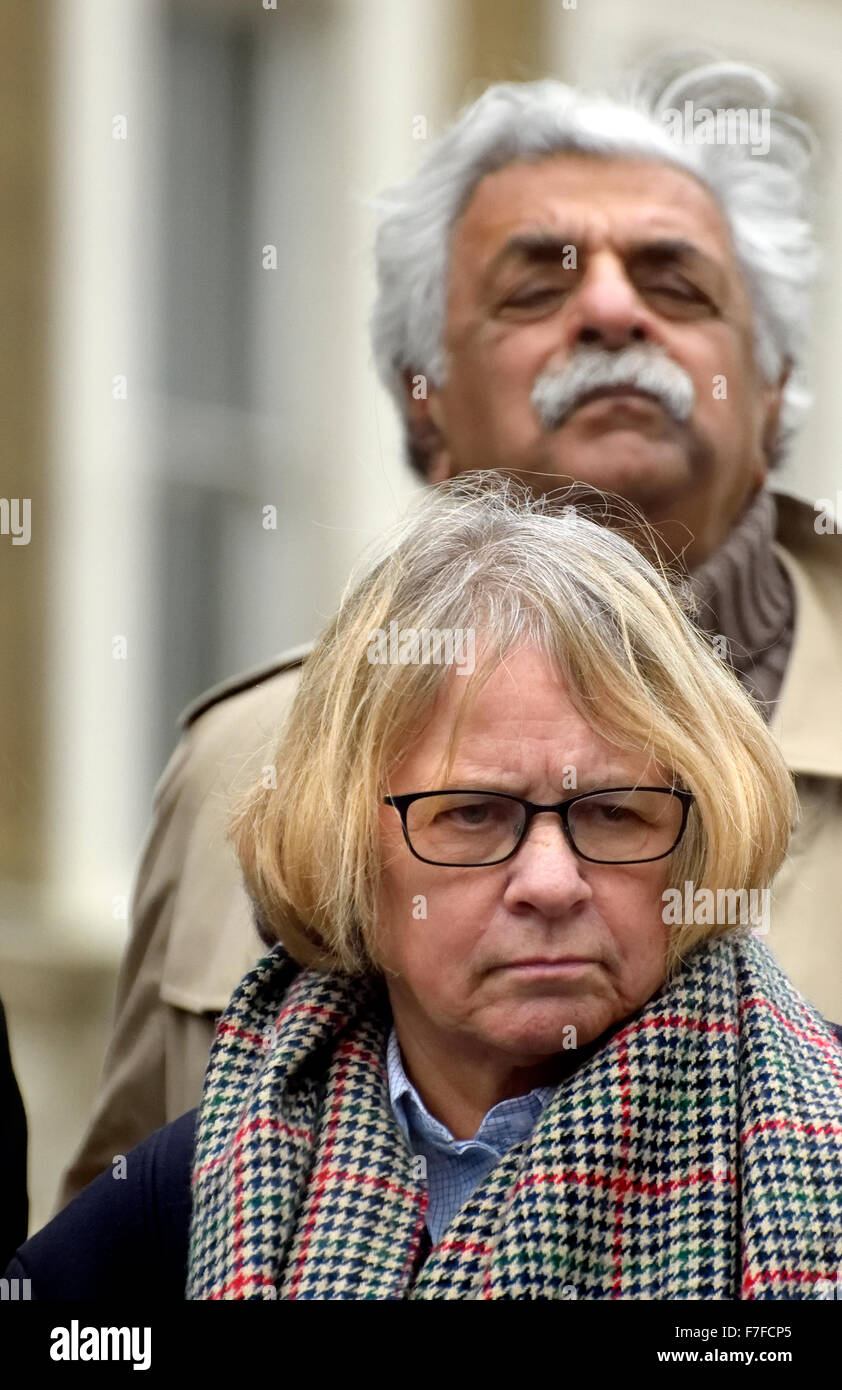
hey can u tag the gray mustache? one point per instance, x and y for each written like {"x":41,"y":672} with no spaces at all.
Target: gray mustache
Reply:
{"x":557,"y":393}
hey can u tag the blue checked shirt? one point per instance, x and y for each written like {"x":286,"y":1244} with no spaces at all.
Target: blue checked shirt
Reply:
{"x":456,"y":1166}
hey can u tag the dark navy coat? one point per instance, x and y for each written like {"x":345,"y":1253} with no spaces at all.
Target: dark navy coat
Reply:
{"x":14,"y":1202}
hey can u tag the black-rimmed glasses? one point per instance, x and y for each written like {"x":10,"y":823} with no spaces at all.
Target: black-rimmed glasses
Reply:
{"x":471,"y":829}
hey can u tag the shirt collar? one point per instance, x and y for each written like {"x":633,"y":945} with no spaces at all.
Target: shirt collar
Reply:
{"x":410,"y":1110}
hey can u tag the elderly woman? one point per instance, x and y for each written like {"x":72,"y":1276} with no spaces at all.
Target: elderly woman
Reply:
{"x":503,"y":1048}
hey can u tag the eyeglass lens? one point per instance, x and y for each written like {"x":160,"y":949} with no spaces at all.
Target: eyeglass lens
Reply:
{"x":479,"y":828}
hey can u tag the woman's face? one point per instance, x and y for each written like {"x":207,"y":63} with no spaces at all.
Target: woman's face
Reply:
{"x":457,"y":938}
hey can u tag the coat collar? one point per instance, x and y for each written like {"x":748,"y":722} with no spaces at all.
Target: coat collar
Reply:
{"x":806,"y":720}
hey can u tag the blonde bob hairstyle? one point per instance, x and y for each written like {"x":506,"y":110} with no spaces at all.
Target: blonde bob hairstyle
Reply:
{"x":481,"y":553}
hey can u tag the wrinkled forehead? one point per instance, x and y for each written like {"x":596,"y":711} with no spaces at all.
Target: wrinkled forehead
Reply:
{"x":589,"y":201}
{"x":514,"y":717}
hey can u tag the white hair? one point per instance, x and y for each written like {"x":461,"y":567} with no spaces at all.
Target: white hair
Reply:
{"x":763,"y":196}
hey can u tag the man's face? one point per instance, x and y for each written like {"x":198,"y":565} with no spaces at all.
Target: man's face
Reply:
{"x":457,"y":975}
{"x":654,"y":267}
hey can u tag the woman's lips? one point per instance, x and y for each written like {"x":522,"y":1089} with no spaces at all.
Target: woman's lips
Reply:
{"x":567,"y":965}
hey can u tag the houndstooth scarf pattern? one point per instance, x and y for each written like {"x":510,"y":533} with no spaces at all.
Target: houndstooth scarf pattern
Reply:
{"x":697,"y":1154}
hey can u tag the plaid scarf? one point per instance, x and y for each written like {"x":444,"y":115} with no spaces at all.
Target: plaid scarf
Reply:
{"x":696,"y":1154}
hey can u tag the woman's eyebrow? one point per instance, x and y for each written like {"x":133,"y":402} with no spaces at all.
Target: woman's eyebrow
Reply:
{"x":511,"y":785}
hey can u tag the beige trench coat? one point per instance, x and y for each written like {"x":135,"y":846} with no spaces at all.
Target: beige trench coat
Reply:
{"x":192,"y":935}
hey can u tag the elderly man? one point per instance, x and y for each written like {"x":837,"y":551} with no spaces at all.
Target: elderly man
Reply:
{"x":571,"y":287}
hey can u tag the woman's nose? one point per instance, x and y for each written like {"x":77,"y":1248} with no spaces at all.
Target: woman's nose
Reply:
{"x":546,"y":871}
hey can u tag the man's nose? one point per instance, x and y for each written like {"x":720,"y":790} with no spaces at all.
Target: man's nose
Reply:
{"x":546,"y":873}
{"x":608,"y":311}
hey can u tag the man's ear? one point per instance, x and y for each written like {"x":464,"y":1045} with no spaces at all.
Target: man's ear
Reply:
{"x":772,"y":418}
{"x":429,"y":450}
